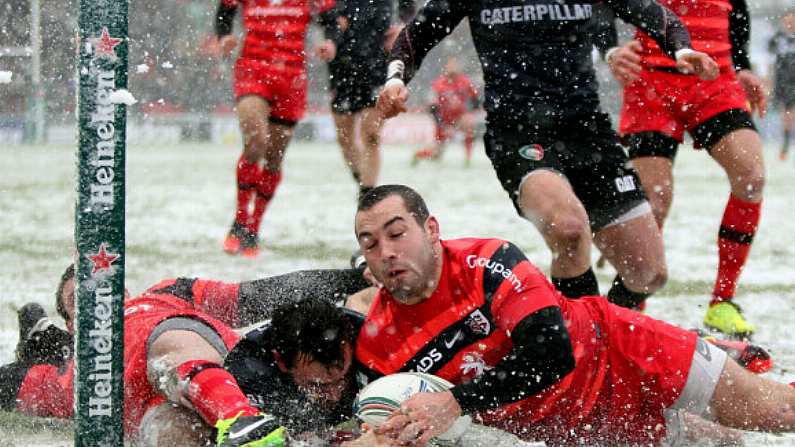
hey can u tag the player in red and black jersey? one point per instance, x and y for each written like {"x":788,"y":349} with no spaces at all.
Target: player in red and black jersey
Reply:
{"x":176,"y":336}
{"x":526,"y":359}
{"x":456,"y":99}
{"x":550,"y":143}
{"x":660,"y":104}
{"x":270,"y":89}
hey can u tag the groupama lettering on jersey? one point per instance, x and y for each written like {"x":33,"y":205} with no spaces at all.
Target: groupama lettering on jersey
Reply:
{"x":495,"y":268}
{"x":531,"y":13}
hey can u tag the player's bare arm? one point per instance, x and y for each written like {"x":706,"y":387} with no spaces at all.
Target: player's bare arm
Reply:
{"x":392,"y":99}
{"x":755,"y":90}
{"x":624,"y":62}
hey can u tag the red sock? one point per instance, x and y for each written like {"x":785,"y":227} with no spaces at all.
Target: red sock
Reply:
{"x":424,"y":154}
{"x":248,"y":174}
{"x":737,"y":230}
{"x":469,"y":141}
{"x":266,"y":188}
{"x":213,"y":392}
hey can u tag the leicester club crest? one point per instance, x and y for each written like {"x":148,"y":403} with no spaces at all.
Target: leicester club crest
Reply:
{"x":534,"y":152}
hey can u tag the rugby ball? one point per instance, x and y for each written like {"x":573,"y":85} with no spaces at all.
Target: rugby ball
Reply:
{"x":376,"y":401}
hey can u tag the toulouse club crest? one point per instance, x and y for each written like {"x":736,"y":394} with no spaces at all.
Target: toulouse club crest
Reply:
{"x":478,"y":323}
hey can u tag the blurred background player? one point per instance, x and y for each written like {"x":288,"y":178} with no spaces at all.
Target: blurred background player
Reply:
{"x":356,"y":73}
{"x":270,"y":85}
{"x":452,"y":109}
{"x":782,"y":47}
{"x":552,"y":147}
{"x":660,"y":104}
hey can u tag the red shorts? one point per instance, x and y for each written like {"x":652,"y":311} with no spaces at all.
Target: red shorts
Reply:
{"x":629,"y":369}
{"x":284,"y":89}
{"x":141,"y":316}
{"x":671,"y":103}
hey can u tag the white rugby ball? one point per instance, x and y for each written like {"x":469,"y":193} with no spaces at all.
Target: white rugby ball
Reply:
{"x":376,"y":401}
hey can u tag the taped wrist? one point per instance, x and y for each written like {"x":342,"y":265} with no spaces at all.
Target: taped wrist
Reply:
{"x":212,"y":391}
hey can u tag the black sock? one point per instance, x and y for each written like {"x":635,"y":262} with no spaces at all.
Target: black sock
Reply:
{"x":583,"y":285}
{"x":785,"y":146}
{"x":619,"y":294}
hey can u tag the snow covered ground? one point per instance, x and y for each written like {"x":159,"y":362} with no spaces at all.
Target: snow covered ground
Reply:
{"x":180,"y":204}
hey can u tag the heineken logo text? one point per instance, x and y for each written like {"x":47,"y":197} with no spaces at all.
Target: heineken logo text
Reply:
{"x":103,"y":159}
{"x":101,"y":335}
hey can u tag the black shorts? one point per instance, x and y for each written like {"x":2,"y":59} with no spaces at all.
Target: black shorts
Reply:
{"x":705,"y":135}
{"x":584,"y":150}
{"x":784,"y":94}
{"x":355,"y":82}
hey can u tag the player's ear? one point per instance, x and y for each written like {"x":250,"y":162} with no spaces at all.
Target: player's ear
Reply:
{"x":432,"y":229}
{"x":279,"y":361}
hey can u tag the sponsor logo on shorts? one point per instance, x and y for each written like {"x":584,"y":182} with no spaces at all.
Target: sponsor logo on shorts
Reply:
{"x":625,"y":183}
{"x":495,"y":268}
{"x":478,"y":323}
{"x":534,"y":152}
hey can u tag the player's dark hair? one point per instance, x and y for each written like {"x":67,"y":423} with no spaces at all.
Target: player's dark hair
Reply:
{"x":312,"y":327}
{"x":60,"y":307}
{"x":411,"y":199}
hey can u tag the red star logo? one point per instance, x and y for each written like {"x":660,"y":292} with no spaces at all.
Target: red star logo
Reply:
{"x":104,"y":45}
{"x":103,"y":259}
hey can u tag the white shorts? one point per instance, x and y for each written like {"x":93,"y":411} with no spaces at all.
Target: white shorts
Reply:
{"x":705,"y":370}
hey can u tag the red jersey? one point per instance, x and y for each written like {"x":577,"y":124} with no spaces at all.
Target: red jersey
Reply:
{"x":453,"y":96}
{"x":629,"y":367}
{"x":49,"y":392}
{"x":707,"y":21}
{"x":275,"y":30}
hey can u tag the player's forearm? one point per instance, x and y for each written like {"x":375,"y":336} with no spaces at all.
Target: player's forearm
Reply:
{"x":257,"y":299}
{"x":528,"y":369}
{"x":658,"y":22}
{"x":224,"y":19}
{"x":740,"y":34}
{"x":432,"y":23}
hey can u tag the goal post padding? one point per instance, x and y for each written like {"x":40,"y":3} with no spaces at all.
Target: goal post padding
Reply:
{"x":99,"y":224}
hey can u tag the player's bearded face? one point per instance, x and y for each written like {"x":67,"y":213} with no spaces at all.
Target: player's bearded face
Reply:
{"x":399,"y":251}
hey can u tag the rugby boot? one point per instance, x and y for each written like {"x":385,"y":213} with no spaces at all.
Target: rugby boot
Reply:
{"x":752,"y":357}
{"x":727,"y":317}
{"x":234,"y":239}
{"x":249,"y":244}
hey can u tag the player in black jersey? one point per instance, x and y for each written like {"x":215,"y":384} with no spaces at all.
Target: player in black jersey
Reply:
{"x":782,"y":46}
{"x":551,"y":145}
{"x":357,"y":73}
